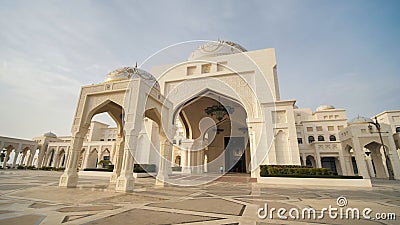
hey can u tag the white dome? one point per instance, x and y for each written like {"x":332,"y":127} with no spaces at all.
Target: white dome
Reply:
{"x":50,"y":134}
{"x":325,"y":107}
{"x":216,"y":48}
{"x":126,"y":73}
{"x":360,"y":119}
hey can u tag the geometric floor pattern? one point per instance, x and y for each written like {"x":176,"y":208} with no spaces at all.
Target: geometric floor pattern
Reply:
{"x":33,"y":197}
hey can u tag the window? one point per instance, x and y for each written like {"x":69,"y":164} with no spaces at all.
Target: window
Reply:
{"x":340,"y":127}
{"x":108,"y":139}
{"x":101,"y":139}
{"x":319,"y":128}
{"x":300,"y":140}
{"x":180,"y":142}
{"x":332,"y":138}
{"x":311,"y":139}
{"x":309,"y":129}
{"x":174,"y":141}
{"x":321,"y":138}
{"x":363,"y":131}
{"x":331,"y":128}
{"x":191,"y":70}
{"x":397,"y":129}
{"x":205,"y":68}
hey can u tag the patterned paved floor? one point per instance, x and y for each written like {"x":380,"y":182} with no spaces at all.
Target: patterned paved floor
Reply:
{"x":33,"y":197}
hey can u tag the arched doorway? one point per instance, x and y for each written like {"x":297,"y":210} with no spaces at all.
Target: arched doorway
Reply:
{"x":216,"y":126}
{"x":61,"y":159}
{"x":50,"y":157}
{"x":378,"y":160}
{"x":310,"y":161}
{"x":350,"y":161}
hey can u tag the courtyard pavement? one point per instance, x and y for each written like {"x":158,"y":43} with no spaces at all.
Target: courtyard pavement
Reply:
{"x":33,"y":197}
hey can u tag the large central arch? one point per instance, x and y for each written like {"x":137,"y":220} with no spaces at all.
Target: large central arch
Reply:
{"x":216,"y":144}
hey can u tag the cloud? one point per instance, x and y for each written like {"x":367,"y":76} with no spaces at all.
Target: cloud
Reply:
{"x":333,"y":53}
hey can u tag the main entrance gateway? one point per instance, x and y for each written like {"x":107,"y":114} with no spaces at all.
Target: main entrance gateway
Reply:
{"x":235,"y":155}
{"x":213,"y":141}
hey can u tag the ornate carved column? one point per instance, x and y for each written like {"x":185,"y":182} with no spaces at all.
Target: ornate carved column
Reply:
{"x":165,"y":150}
{"x":21,"y":163}
{"x":317,"y":159}
{"x":70,"y":176}
{"x":6,"y":158}
{"x":126,"y":181}
{"x":30,"y":157}
{"x":394,"y":157}
{"x":17,"y":151}
{"x":184,"y":159}
{"x":118,"y":148}
{"x":258,"y":149}
{"x":343,"y":164}
{"x":359,"y":155}
{"x":41,"y":155}
{"x":56,"y":157}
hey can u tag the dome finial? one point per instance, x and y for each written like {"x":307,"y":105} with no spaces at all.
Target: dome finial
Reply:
{"x":136,"y":65}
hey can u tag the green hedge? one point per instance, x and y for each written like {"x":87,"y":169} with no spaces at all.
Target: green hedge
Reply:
{"x":137,"y":168}
{"x":48,"y":168}
{"x":144,"y":168}
{"x":176,"y":168}
{"x":20,"y":167}
{"x":299,"y":171}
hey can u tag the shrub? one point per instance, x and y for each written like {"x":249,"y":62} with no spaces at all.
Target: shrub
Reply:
{"x":176,"y":168}
{"x":144,"y":168}
{"x":46,"y":168}
{"x":98,"y":169}
{"x":104,"y":163}
{"x":299,"y":171}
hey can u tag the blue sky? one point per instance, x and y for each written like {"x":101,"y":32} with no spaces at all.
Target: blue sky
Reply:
{"x":344,"y":53}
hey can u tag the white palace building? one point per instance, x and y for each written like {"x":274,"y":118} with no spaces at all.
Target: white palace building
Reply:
{"x":219,"y":111}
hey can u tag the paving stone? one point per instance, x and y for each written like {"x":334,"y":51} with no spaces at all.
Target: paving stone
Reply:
{"x":39,"y":205}
{"x":23,"y":220}
{"x":6,"y":187}
{"x":216,"y":205}
{"x":70,"y":218}
{"x":217,"y":202}
{"x":88,"y":208}
{"x":150,"y":217}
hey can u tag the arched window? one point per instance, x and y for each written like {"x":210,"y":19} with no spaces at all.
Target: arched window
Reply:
{"x":311,"y":139}
{"x":397,"y":129}
{"x":321,"y":138}
{"x":332,"y":138}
